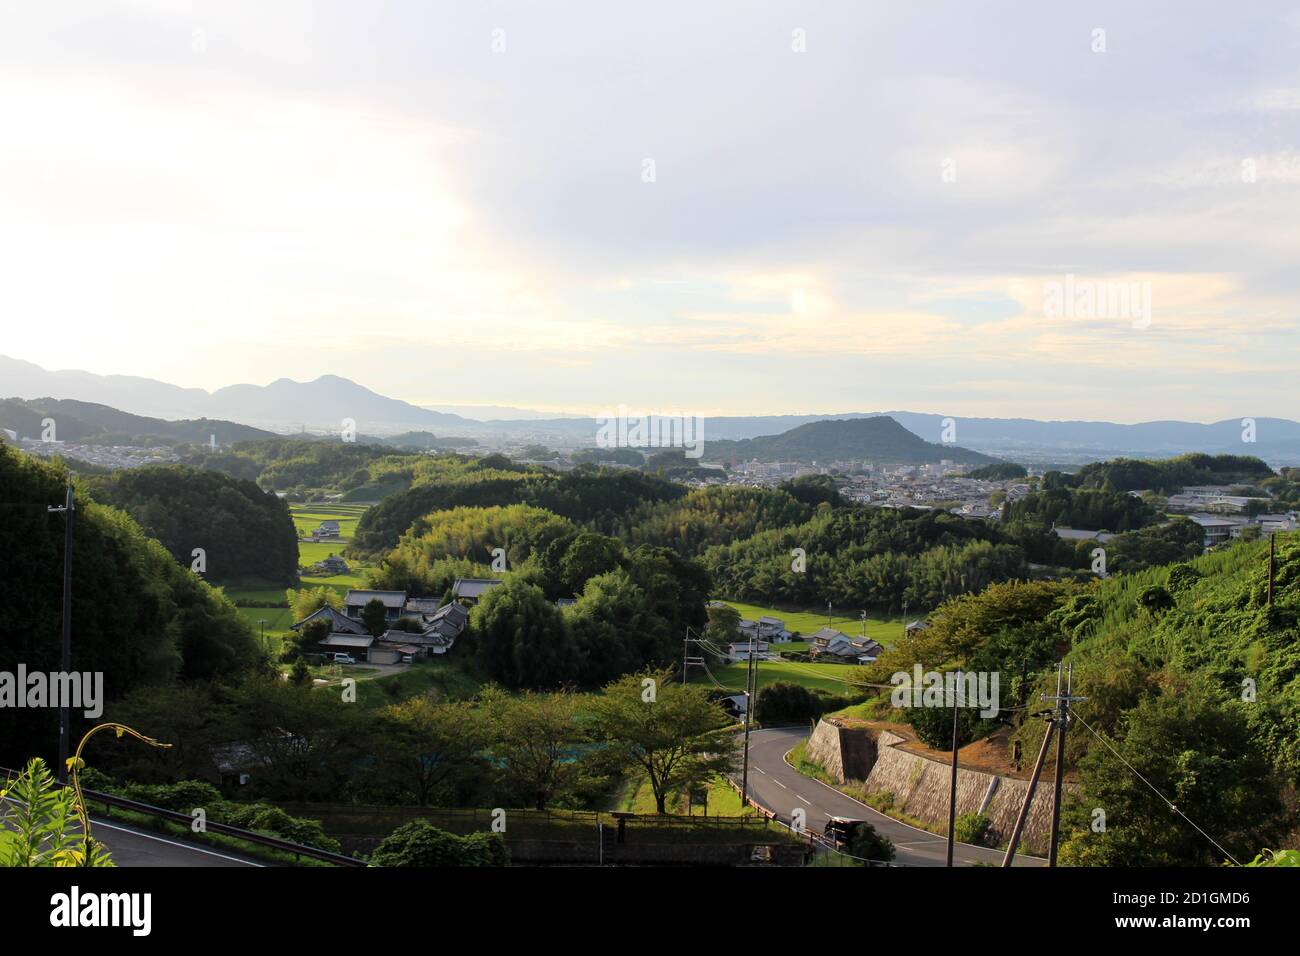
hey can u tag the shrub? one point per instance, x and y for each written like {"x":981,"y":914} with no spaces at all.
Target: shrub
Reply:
{"x":420,"y":843}
{"x":182,"y":797}
{"x":39,"y":825}
{"x":867,"y":844}
{"x":786,"y":703}
{"x":972,"y":828}
{"x":1182,"y":577}
{"x":1155,"y":599}
{"x":265,"y":818}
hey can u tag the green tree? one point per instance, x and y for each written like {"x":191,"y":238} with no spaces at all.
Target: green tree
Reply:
{"x":304,"y":741}
{"x":535,"y":740}
{"x":374,"y":616}
{"x":521,"y":637}
{"x":421,"y":844}
{"x":724,"y":624}
{"x":671,"y":731}
{"x":308,"y":601}
{"x":423,"y":749}
{"x":1198,"y":753}
{"x":587,"y":556}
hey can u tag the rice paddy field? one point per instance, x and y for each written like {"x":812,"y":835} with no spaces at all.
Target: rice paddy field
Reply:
{"x":804,"y":621}
{"x":835,"y":678}
{"x":306,"y":518}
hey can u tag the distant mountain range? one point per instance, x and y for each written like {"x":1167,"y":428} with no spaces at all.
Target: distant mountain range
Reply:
{"x":284,"y":404}
{"x":879,"y":439}
{"x":323,"y":404}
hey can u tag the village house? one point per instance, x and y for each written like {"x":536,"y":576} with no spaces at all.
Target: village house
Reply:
{"x":1079,"y":534}
{"x":329,"y":566}
{"x":355,"y":601}
{"x":836,"y":646}
{"x":327,"y":529}
{"x":416,"y":628}
{"x":828,"y":642}
{"x":771,"y":630}
{"x":471,"y":590}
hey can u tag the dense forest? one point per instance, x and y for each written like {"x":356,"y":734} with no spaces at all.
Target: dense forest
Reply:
{"x":1170,"y":474}
{"x":246,"y":535}
{"x":138,"y":617}
{"x":1190,"y":675}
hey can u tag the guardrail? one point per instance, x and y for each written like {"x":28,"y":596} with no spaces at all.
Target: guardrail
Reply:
{"x":212,"y":826}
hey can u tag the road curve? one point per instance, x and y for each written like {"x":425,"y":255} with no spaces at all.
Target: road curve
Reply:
{"x":778,"y":787}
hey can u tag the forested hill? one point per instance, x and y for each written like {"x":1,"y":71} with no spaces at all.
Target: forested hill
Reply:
{"x":879,"y":439}
{"x":1186,"y":671}
{"x":137,"y":616}
{"x":87,"y":421}
{"x":246,"y":534}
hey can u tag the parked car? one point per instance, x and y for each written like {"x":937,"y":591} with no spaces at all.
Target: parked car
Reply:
{"x":340,"y":658}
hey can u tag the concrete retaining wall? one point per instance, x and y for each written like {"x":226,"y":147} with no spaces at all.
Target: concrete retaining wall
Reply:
{"x":919,"y":785}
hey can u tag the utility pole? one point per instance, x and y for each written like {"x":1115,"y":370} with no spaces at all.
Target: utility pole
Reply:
{"x":749,"y":716}
{"x":952,"y":783}
{"x":687,"y":660}
{"x":864,"y":625}
{"x":1029,"y":796}
{"x":65,"y":712}
{"x":828,"y":613}
{"x":1062,"y":718}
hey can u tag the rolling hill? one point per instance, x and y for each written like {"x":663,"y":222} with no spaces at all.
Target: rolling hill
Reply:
{"x":879,"y":439}
{"x":87,"y":421}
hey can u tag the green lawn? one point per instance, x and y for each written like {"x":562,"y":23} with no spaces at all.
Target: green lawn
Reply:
{"x":885,"y":630}
{"x":724,"y":801}
{"x":829,"y":677}
{"x":447,"y":679}
{"x":277,"y":619}
{"x":262,"y":595}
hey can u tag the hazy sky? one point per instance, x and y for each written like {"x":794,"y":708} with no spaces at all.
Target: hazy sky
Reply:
{"x":715,"y":207}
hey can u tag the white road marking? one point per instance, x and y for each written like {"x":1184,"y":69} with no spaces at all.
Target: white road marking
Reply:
{"x":183,"y":846}
{"x":150,"y":836}
{"x":805,"y":801}
{"x":780,"y":784}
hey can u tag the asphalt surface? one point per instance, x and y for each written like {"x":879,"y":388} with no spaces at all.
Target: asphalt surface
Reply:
{"x":780,"y":788}
{"x":133,"y":847}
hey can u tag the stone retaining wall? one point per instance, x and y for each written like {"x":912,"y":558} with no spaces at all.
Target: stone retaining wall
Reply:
{"x":919,"y":785}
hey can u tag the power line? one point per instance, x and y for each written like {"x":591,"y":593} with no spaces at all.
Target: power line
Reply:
{"x":1172,"y":807}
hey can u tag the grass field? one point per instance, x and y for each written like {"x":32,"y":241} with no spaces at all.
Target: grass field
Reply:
{"x":307,"y":518}
{"x":448,"y":679}
{"x":277,"y":619}
{"x":885,"y":630}
{"x":828,"y":677}
{"x":724,"y":801}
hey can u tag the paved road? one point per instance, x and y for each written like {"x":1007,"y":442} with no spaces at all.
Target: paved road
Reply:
{"x":131,"y":846}
{"x":780,"y":788}
{"x":134,"y":847}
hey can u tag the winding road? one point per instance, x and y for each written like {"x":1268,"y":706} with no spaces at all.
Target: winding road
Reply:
{"x":780,"y":788}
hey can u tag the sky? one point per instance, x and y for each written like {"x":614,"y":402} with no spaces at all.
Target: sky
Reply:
{"x":1005,"y":209}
